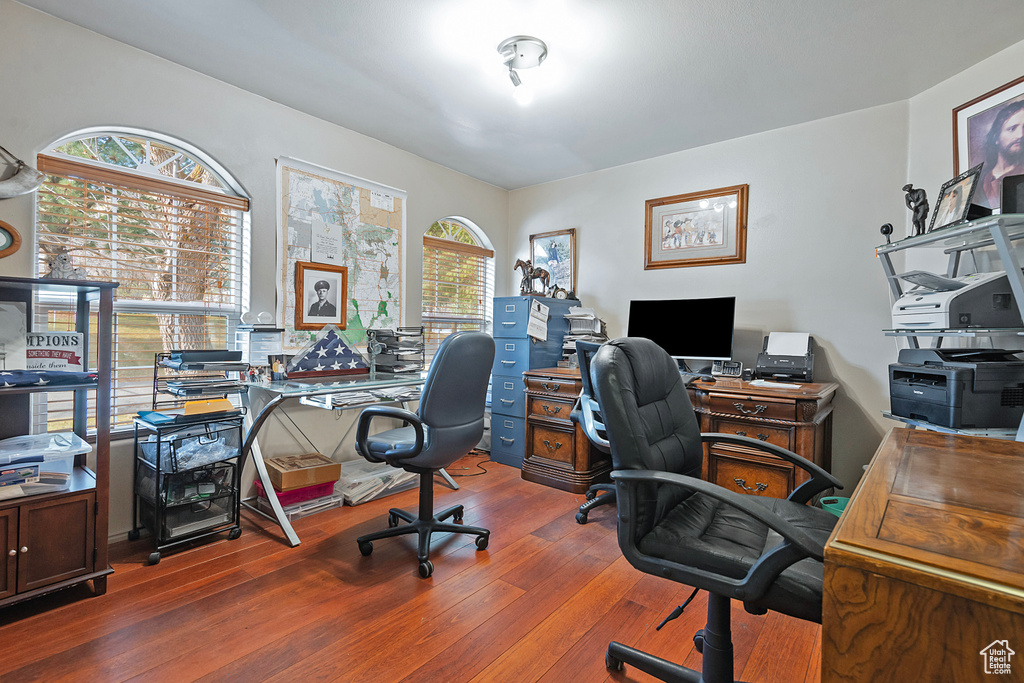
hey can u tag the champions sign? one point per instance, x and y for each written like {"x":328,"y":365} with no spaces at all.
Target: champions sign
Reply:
{"x":54,"y":351}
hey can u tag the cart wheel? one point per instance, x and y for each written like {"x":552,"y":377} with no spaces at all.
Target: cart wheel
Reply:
{"x":365,"y":547}
{"x":392,"y":520}
{"x":581,"y":517}
{"x":481,"y":542}
{"x":154,"y":558}
{"x":133,"y":535}
{"x":234,"y":533}
{"x":426,"y":569}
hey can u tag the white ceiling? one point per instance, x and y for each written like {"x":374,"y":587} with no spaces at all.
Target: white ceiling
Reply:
{"x":624,"y":80}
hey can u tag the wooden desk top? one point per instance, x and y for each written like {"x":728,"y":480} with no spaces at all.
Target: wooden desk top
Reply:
{"x":732,"y":386}
{"x":941,"y":511}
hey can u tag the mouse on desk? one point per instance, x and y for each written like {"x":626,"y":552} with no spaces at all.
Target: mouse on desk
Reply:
{"x":707,"y":378}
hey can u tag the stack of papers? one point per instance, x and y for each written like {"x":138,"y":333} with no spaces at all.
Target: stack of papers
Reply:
{"x":584,"y":325}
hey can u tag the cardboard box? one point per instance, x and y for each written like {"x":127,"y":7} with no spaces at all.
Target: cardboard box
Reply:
{"x":289,"y":472}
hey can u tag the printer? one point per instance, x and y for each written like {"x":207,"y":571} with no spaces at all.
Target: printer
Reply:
{"x":783,"y":357}
{"x":958,"y":388}
{"x":945,"y":303}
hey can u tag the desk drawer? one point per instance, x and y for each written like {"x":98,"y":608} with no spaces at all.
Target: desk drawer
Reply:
{"x":779,"y":436}
{"x":754,"y":477}
{"x":758,"y":408}
{"x":511,"y":316}
{"x":511,"y":356}
{"x":550,"y":408}
{"x":552,"y":443}
{"x":568,"y":387}
{"x":507,"y":395}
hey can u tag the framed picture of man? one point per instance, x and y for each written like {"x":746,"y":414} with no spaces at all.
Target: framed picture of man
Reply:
{"x":955,"y":199}
{"x":989,"y":130}
{"x":322,"y":293}
{"x":555,"y":252}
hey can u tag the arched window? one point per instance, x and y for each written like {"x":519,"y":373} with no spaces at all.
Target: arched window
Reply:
{"x":164,"y":221}
{"x":458,"y":280}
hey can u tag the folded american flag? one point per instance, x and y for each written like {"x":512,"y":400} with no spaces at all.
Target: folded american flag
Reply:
{"x":328,"y":354}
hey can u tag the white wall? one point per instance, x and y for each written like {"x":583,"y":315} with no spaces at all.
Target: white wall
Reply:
{"x":818,"y":194}
{"x":57,"y":78}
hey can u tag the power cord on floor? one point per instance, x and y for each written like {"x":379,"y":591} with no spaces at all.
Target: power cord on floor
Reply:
{"x":486,"y":457}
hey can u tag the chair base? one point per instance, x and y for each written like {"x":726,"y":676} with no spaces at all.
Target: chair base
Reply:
{"x":594,"y":500}
{"x":423,"y":525}
{"x":716,"y":650}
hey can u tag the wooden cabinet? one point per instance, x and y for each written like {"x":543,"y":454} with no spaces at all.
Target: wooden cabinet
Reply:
{"x":57,"y":539}
{"x":558,"y":454}
{"x":798,"y":419}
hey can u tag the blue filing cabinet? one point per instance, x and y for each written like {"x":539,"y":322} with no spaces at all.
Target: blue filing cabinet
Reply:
{"x":515,"y":352}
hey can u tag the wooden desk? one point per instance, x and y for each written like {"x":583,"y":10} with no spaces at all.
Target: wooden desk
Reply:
{"x":798,"y":419}
{"x":926,"y":567}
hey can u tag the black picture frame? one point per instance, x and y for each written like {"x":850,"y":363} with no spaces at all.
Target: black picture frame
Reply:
{"x":954,"y":199}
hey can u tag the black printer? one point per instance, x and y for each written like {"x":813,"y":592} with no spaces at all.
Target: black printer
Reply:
{"x":958,"y":388}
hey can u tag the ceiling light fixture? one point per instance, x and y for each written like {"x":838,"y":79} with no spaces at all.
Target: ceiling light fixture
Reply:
{"x":521,"y":52}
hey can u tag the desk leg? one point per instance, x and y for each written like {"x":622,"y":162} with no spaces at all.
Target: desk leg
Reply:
{"x":252,"y":447}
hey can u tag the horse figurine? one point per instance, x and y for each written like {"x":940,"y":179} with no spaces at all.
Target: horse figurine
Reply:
{"x":530,"y":273}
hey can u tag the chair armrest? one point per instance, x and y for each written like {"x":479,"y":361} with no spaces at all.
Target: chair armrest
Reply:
{"x":819,"y":481}
{"x":796,"y":544}
{"x":363,"y":430}
{"x":584,"y":413}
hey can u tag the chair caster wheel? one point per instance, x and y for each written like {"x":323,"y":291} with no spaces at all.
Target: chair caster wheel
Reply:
{"x":590,"y":495}
{"x":611,"y":662}
{"x":365,"y":547}
{"x":457,"y":518}
{"x":698,"y":641}
{"x":234,"y":534}
{"x":392,"y":521}
{"x":481,"y":542}
{"x":133,"y":535}
{"x":581,"y":517}
{"x":154,"y":558}
{"x":426,"y":569}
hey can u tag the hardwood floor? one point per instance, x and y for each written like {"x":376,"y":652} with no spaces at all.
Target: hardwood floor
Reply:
{"x":540,"y":604}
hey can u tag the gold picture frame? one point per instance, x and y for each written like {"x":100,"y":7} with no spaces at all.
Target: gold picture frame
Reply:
{"x":316,"y":306}
{"x":555,"y":252}
{"x":706,"y":228}
{"x":10,"y":240}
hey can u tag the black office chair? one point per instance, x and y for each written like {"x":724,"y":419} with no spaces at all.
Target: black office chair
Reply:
{"x":449,"y":423}
{"x":598,"y":494}
{"x":765,"y":552}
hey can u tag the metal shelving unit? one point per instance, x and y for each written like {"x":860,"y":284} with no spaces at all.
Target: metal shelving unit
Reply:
{"x":999,"y":231}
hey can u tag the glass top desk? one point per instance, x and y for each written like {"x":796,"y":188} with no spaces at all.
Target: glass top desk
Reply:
{"x":335,"y":393}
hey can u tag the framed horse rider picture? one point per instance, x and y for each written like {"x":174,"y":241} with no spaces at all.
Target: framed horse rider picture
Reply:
{"x":555,"y":252}
{"x":321,"y":294}
{"x":697,"y":229}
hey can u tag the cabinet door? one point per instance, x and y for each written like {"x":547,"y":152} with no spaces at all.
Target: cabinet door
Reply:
{"x":56,"y":539}
{"x":8,"y":561}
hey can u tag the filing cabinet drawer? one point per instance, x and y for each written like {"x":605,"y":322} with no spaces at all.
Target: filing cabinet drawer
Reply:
{"x":552,"y":444}
{"x":753,"y":407}
{"x":511,"y":356}
{"x":507,"y":395}
{"x":511,"y":316}
{"x":553,"y":385}
{"x":550,"y":408}
{"x":779,"y":436}
{"x":508,"y":439}
{"x":773,"y":479}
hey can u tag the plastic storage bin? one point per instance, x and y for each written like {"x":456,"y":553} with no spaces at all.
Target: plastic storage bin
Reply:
{"x":834,"y":504}
{"x":196,"y":446}
{"x":362,"y":481}
{"x":38,"y":463}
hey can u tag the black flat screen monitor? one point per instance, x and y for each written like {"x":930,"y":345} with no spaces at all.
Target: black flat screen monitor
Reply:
{"x":698,"y":329}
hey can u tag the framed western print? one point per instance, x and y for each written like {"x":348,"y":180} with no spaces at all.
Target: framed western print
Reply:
{"x":696,"y":229}
{"x":555,"y":252}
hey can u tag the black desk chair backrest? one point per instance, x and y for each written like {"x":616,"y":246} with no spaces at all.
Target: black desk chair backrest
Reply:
{"x":448,"y":424}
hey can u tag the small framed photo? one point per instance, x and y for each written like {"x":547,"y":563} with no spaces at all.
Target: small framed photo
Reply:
{"x":989,"y":130}
{"x":955,"y":199}
{"x":322,"y":293}
{"x":555,"y":252}
{"x":696,"y":229}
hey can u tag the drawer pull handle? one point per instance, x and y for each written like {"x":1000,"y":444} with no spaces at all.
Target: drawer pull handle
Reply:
{"x":757,"y":409}
{"x":507,"y":401}
{"x":762,"y":437}
{"x":550,"y":387}
{"x":742,"y":483}
{"x":558,"y":444}
{"x":505,"y":439}
{"x":508,"y":362}
{"x":12,"y":552}
{"x":24,"y":548}
{"x":508,"y":323}
{"x":549,"y":411}
{"x":738,"y":433}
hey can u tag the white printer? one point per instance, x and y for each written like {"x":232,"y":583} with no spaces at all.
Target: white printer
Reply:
{"x":945,"y":303}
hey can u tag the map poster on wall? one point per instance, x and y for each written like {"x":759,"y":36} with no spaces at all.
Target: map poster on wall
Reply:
{"x":329,"y":217}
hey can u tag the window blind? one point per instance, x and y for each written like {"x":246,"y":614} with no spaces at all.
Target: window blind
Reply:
{"x":174,"y":249}
{"x":456,"y":289}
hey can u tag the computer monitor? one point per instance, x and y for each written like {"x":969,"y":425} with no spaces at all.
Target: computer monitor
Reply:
{"x":688,"y":329}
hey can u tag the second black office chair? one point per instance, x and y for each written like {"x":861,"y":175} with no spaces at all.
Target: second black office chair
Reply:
{"x":765,"y":552}
{"x":598,"y":494}
{"x":448,"y":424}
